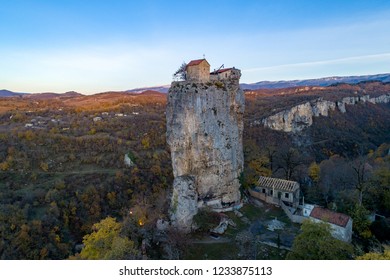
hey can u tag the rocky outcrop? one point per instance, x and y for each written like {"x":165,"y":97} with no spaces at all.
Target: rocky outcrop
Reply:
{"x":204,"y":132}
{"x":184,"y":202}
{"x":224,"y":223}
{"x":322,"y":107}
{"x":380,"y":99}
{"x":295,"y":119}
{"x":301,"y":116}
{"x":127,"y":161}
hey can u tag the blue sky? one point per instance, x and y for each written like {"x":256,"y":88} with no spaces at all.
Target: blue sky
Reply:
{"x":96,"y":46}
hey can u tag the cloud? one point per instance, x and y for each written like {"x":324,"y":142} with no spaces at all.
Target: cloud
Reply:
{"x":353,"y":59}
{"x":347,"y":66}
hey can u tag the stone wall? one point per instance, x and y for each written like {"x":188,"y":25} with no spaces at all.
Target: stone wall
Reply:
{"x":264,"y":197}
{"x":204,"y":132}
{"x":294,"y":218}
{"x":221,"y":76}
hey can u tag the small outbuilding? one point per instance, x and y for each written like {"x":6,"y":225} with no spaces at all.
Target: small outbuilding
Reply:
{"x":340,"y":223}
{"x":221,"y":74}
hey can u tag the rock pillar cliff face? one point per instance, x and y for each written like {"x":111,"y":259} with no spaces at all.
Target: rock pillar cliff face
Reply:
{"x":204,"y":132}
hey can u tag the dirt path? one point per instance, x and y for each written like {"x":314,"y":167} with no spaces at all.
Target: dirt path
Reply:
{"x":209,"y":240}
{"x":90,"y":171}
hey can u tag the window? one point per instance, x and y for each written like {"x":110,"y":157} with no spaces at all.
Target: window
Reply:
{"x":271,"y":192}
{"x":263,"y":190}
{"x":286,"y":195}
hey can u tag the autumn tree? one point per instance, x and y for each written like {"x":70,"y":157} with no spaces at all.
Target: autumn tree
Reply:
{"x":256,"y":164}
{"x":361,"y":224}
{"x":314,"y":172}
{"x":44,"y":166}
{"x":106,"y":243}
{"x":257,"y":167}
{"x":145,"y":142}
{"x":376,"y":256}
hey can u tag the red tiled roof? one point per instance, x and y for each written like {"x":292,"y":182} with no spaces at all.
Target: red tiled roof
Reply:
{"x":329,"y":216}
{"x":220,"y":71}
{"x":196,"y":62}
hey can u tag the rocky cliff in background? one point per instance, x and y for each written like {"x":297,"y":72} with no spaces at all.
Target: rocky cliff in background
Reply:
{"x":204,"y":132}
{"x":301,"y":116}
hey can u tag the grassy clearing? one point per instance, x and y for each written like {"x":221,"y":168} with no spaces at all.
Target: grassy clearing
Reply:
{"x":213,"y":251}
{"x":230,"y":251}
{"x":254,"y":215}
{"x":266,"y":212}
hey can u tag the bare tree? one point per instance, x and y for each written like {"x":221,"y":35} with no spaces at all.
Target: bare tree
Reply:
{"x":362,"y":172}
{"x":336,"y":176}
{"x":288,"y":160}
{"x":176,"y":244}
{"x":271,"y":152}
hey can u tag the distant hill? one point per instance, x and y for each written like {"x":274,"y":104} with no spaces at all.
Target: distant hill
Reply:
{"x":48,"y":95}
{"x":162,"y":89}
{"x":112,"y":95}
{"x":322,"y":82}
{"x":385,"y":78}
{"x":8,"y":93}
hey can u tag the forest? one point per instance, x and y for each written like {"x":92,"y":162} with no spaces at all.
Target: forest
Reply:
{"x":65,"y":186}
